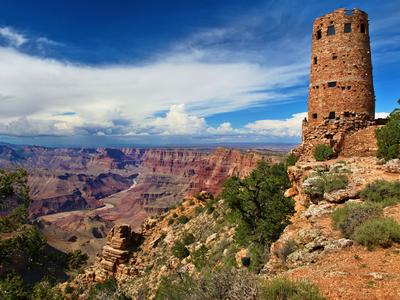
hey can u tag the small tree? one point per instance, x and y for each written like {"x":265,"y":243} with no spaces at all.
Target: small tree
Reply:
{"x":258,"y":203}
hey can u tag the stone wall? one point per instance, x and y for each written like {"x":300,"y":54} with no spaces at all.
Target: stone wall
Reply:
{"x":354,"y":136}
{"x":360,"y":143}
{"x":341,"y":69}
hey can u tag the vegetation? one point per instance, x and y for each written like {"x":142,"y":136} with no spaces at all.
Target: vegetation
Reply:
{"x":14,"y":199}
{"x":107,"y":290}
{"x":230,"y":283}
{"x":383,"y":192}
{"x":179,"y":250}
{"x":188,"y":239}
{"x":222,"y":284}
{"x":388,"y":137}
{"x":27,"y":262}
{"x":282,"y":288}
{"x":323,"y":152}
{"x":291,"y":160}
{"x":183,"y":219}
{"x":378,"y":232}
{"x":352,"y":215}
{"x":257,"y":203}
{"x":320,"y":182}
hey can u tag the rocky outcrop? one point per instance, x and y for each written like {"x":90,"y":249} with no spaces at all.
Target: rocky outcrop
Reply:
{"x":121,"y":240}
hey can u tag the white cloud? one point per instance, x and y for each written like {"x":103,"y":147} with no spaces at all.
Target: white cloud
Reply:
{"x":14,"y":38}
{"x":178,"y":122}
{"x":120,"y":99}
{"x":289,"y":127}
{"x":381,"y":115}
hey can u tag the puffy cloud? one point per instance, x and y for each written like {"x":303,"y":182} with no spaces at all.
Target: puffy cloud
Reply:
{"x":178,"y":122}
{"x":289,"y":127}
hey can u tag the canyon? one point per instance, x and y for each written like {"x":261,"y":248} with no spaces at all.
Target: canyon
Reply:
{"x":79,"y":194}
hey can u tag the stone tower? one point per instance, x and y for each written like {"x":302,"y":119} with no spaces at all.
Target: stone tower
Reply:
{"x":341,"y":84}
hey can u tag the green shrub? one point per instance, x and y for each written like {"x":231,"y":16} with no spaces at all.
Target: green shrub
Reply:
{"x":335,"y":182}
{"x":388,"y":138}
{"x":171,"y":221}
{"x":107,"y":290}
{"x":323,"y":152}
{"x":183,"y":219}
{"x":320,"y":182}
{"x":12,"y":288}
{"x":198,"y":210}
{"x":44,"y":290}
{"x":257,"y":203}
{"x":188,"y":239}
{"x":76,"y":259}
{"x":347,"y":218}
{"x":174,"y":215}
{"x":384,"y":192}
{"x":377,"y":232}
{"x":282,"y":288}
{"x":179,"y":250}
{"x":220,"y":284}
{"x":291,"y":160}
{"x":199,"y":257}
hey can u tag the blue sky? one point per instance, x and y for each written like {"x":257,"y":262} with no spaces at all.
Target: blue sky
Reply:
{"x":158,"y":72}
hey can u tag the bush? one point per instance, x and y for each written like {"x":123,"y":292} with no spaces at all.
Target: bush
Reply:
{"x":349,"y":217}
{"x":199,"y":257}
{"x":319,"y":183}
{"x":384,"y":192}
{"x":107,"y":290}
{"x":188,"y":239}
{"x":221,"y":284}
{"x":76,"y":259}
{"x":378,"y":232}
{"x":12,"y":288}
{"x":282,"y":288}
{"x":257,"y":203}
{"x":334,"y":182}
{"x":44,"y":290}
{"x":179,"y":250}
{"x":291,"y":160}
{"x":388,"y":138}
{"x":198,"y":210}
{"x":183,"y":219}
{"x":323,"y":152}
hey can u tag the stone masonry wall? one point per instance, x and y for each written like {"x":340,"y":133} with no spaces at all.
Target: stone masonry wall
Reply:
{"x":341,"y":69}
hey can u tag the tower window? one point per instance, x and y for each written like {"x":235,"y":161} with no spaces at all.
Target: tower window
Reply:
{"x":331,"y":30}
{"x":334,"y":56}
{"x":314,"y":115}
{"x":318,"y":34}
{"x":347,"y":27}
{"x":332,"y":115}
{"x":332,"y":84}
{"x":362,"y":28}
{"x":315,"y":60}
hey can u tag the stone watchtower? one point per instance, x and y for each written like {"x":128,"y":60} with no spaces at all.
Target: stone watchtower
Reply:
{"x":341,"y":71}
{"x":341,"y":99}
